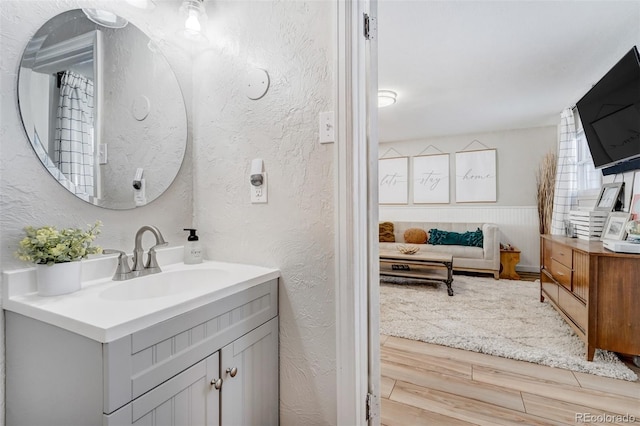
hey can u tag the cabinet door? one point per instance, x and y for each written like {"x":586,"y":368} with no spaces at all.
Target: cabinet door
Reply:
{"x":251,"y":396}
{"x":186,"y":399}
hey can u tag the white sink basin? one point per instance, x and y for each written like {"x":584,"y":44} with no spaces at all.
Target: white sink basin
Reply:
{"x":106,"y":310}
{"x":166,"y":283}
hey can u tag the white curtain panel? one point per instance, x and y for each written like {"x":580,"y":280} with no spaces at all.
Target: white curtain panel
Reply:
{"x":566,"y":174}
{"x":74,"y":146}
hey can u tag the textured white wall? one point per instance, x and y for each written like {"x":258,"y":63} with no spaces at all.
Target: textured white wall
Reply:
{"x":28,"y":194}
{"x":294,"y":230}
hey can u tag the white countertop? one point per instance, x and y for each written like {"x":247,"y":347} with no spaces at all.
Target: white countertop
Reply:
{"x":95,"y":313}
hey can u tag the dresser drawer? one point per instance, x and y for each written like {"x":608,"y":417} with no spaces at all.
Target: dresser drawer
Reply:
{"x":561,"y":273}
{"x":563,"y":255}
{"x":574,"y":308}
{"x":550,"y":288}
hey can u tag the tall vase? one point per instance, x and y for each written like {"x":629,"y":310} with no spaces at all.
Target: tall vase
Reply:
{"x":59,"y":278}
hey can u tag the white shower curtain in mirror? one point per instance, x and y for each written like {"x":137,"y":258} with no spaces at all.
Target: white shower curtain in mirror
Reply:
{"x":566,"y":173}
{"x":74,"y":145}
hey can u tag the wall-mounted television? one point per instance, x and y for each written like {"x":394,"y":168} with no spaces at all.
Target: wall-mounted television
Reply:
{"x":610,"y":115}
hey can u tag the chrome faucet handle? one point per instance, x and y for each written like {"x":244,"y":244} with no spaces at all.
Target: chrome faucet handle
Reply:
{"x":136,"y":260}
{"x":123,"y":271}
{"x":152,"y":263}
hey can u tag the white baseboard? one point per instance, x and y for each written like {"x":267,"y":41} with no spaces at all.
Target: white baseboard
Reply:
{"x":528,"y":268}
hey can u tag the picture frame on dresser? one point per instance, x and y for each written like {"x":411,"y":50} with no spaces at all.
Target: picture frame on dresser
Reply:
{"x":634,"y":209}
{"x":609,"y":195}
{"x":614,"y":227}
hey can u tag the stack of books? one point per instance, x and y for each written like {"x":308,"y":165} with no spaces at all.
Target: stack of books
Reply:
{"x":588,"y":225}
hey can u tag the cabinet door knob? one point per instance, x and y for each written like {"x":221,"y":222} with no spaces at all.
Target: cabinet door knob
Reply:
{"x":232,"y":371}
{"x":216,"y":383}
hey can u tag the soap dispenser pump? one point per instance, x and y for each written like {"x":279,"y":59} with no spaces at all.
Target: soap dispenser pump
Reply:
{"x":192,"y":248}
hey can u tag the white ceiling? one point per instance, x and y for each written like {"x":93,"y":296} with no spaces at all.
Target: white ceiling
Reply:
{"x":479,"y":66}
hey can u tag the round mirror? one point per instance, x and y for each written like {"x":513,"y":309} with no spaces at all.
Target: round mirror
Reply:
{"x":102,"y":109}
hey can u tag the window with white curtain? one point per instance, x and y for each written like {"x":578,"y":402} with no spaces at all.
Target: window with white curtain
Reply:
{"x":589,"y":180}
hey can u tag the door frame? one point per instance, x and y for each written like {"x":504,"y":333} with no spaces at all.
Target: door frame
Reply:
{"x":356,"y":246}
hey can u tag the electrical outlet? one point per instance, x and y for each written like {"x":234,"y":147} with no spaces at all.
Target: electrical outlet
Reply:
{"x":259,"y":193}
{"x":140,"y":195}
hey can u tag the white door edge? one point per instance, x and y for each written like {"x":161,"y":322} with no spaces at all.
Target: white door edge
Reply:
{"x":356,"y":215}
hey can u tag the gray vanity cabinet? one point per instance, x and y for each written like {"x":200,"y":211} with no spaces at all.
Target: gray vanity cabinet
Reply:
{"x":248,"y":393}
{"x":162,"y":374}
{"x":186,"y":399}
{"x":249,"y":368}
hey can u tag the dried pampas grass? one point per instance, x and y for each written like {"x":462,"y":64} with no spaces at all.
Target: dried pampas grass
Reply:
{"x":545,"y":181}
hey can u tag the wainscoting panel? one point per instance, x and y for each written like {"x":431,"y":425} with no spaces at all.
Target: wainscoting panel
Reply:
{"x":518,"y":225}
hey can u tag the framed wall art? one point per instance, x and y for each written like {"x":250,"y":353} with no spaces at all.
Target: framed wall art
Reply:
{"x":393,"y":180}
{"x":430,"y":177}
{"x":476,"y":177}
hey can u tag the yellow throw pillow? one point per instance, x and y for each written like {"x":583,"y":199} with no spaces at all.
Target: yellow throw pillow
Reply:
{"x":386,"y":235}
{"x":415,"y":236}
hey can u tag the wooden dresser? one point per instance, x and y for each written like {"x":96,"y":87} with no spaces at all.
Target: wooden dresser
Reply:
{"x":596,"y":290}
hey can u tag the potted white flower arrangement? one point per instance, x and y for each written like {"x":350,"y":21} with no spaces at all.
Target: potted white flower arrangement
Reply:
{"x":57,"y":254}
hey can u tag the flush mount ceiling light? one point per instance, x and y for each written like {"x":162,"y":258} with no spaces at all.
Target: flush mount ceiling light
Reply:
{"x":386,"y":98}
{"x":195,"y":14}
{"x":142,"y":4}
{"x":104,"y":18}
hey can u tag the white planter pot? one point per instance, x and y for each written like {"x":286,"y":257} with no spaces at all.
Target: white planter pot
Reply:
{"x":59,"y":278}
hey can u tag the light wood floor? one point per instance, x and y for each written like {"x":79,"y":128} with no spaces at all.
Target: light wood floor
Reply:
{"x":426,"y":384}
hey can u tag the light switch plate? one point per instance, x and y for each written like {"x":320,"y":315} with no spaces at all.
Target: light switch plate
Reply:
{"x":327,"y":128}
{"x":103,"y":156}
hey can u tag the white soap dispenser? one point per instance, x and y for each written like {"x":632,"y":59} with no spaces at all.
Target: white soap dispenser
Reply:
{"x":192,"y":248}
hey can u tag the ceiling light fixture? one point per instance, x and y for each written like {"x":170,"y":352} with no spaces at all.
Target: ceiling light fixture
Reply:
{"x":386,"y":98}
{"x":142,"y":4}
{"x":195,"y":14}
{"x":105,"y":18}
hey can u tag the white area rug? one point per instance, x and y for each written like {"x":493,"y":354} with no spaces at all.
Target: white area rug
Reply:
{"x":497,"y":317}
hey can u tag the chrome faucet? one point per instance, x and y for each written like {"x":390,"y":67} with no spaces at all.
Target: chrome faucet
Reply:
{"x":151,"y":267}
{"x":123,"y":271}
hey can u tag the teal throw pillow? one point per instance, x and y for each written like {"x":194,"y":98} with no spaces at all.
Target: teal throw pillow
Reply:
{"x":469,"y":238}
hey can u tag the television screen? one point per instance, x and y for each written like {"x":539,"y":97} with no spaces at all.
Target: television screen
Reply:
{"x":610,"y":113}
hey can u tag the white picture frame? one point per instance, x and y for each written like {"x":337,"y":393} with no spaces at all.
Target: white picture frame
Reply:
{"x":614,"y":227}
{"x":393,"y":180}
{"x":430,"y":178}
{"x":609,"y":193}
{"x":476,"y":176}
{"x":634,"y":203}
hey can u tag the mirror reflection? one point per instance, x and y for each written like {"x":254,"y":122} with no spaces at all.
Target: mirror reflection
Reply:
{"x":102,"y":109}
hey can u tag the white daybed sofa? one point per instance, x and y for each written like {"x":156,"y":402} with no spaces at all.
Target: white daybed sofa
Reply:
{"x":484,"y":259}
